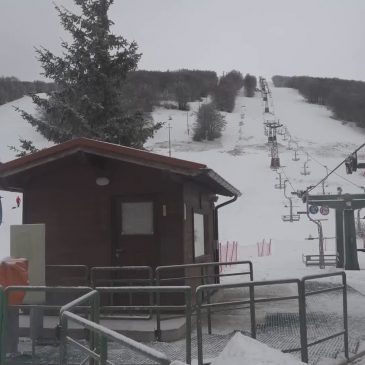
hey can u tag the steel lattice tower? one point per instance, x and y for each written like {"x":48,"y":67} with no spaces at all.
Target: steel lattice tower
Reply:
{"x":275,"y":160}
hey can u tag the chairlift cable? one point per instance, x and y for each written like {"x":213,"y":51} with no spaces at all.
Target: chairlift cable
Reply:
{"x":310,"y":188}
{"x":286,"y":176}
{"x":325,"y":166}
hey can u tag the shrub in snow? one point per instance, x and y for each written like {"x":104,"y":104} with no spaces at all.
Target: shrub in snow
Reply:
{"x":209,"y":123}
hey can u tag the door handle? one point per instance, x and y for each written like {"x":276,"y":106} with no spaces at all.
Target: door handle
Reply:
{"x":118,"y":251}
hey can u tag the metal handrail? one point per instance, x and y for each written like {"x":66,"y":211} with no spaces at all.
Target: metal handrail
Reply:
{"x":46,"y":289}
{"x":156,"y":307}
{"x":204,"y":276}
{"x":301,"y":296}
{"x":83,"y":268}
{"x":303,"y":314}
{"x":94,"y":271}
{"x":200,"y":304}
{"x":148,"y":280}
{"x":93,"y":299}
{"x":160,"y":269}
{"x":103,"y":333}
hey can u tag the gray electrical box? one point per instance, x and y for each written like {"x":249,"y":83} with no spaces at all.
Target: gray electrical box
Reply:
{"x":28,"y":241}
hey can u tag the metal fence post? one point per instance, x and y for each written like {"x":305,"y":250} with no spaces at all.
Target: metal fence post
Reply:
{"x":252,"y":311}
{"x":188,"y":325}
{"x":205,"y":277}
{"x":158,"y":302}
{"x":103,"y":350}
{"x":63,"y":341}
{"x":345,"y":319}
{"x":251,"y":270}
{"x":199,"y":332}
{"x":303,"y":321}
{"x":94,"y":316}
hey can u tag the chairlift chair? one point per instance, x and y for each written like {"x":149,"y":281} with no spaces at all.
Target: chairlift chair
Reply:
{"x":291,"y":218}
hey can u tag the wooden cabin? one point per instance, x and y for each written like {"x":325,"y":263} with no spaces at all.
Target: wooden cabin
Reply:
{"x":105,"y":204}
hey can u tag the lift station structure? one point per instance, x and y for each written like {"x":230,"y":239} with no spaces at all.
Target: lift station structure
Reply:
{"x":344,"y":205}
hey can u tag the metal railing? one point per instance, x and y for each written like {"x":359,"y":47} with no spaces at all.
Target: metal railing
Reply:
{"x":99,"y":335}
{"x":72,"y":275}
{"x":136,"y":271}
{"x":157,"y":290}
{"x":201,"y":305}
{"x":116,"y":276}
{"x":92,"y":300}
{"x":34,"y":310}
{"x":204,"y":275}
{"x":162,"y":272}
{"x":303,"y":314}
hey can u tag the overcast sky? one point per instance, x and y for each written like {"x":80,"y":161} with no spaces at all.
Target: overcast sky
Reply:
{"x":261,"y":37}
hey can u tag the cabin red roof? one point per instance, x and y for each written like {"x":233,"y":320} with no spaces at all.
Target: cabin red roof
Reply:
{"x":118,"y":152}
{"x":98,"y":147}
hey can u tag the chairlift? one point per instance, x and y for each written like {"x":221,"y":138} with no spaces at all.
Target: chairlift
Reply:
{"x":305,"y":169}
{"x":291,"y":217}
{"x":295,"y":158}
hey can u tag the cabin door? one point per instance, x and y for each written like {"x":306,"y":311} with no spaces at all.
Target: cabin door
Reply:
{"x":136,"y":235}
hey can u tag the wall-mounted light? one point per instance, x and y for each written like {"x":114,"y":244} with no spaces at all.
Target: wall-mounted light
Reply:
{"x":102,"y":181}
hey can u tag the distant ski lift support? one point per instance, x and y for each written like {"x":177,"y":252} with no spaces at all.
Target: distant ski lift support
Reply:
{"x":280,"y":185}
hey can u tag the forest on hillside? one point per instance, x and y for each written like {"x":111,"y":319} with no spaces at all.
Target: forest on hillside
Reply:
{"x":143,"y":90}
{"x":345,"y":98}
{"x":11,"y":88}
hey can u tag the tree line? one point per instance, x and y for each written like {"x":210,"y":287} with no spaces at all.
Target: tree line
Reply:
{"x":345,"y":98}
{"x":146,"y":89}
{"x":11,"y":88}
{"x":100,"y":94}
{"x":210,"y":122}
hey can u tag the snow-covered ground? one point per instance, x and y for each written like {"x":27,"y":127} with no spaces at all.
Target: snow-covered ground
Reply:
{"x":243,"y":159}
{"x":241,"y":156}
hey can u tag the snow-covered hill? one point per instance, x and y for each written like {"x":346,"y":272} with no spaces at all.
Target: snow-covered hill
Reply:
{"x":243,"y":159}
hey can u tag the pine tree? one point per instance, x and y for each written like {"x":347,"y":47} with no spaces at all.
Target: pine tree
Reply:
{"x":250,"y":83}
{"x":209,"y":123}
{"x":89,"y":79}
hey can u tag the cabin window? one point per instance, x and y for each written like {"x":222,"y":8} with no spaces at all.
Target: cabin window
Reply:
{"x":137,"y":218}
{"x":199,"y":239}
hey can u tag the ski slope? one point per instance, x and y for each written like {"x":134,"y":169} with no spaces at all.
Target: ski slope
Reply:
{"x":241,"y":156}
{"x":243,"y":159}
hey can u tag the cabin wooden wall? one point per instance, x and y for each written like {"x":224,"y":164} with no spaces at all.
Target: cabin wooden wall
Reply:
{"x":78,"y":213}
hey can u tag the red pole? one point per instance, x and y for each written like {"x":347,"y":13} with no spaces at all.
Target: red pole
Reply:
{"x":227,"y":251}
{"x":262,"y":247}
